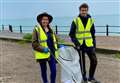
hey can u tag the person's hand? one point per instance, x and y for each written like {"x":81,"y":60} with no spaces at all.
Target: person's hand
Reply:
{"x":45,"y":50}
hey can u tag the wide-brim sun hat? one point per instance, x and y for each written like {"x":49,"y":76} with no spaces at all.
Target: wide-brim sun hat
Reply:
{"x":39,"y":17}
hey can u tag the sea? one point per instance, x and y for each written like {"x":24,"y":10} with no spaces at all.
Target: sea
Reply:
{"x":64,"y":23}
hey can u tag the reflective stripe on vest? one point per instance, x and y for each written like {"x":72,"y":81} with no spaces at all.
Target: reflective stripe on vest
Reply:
{"x":84,"y":33}
{"x":42,"y":38}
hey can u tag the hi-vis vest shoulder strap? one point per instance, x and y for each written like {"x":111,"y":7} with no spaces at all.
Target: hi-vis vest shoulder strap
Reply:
{"x":42,"y":38}
{"x":83,"y":33}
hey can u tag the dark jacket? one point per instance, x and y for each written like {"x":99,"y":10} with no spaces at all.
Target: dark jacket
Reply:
{"x":73,"y":31}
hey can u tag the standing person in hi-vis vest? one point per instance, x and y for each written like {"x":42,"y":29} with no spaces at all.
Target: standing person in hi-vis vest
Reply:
{"x":45,"y":46}
{"x":82,"y":34}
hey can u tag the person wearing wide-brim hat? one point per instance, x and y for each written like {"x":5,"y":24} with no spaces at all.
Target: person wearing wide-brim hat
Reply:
{"x":45,"y":46}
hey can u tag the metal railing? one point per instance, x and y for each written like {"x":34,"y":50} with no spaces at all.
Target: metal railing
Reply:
{"x":106,"y":30}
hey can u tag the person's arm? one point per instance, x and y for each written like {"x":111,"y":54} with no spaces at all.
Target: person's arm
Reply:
{"x":35,"y":43}
{"x":93,"y":35}
{"x":72,"y":34}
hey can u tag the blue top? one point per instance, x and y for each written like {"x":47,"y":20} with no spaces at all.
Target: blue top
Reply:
{"x":50,"y":41}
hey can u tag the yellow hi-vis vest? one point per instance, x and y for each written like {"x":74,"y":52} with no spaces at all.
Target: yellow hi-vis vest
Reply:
{"x":42,"y":38}
{"x":84,"y":33}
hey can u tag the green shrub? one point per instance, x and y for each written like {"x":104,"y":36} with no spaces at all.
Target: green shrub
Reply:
{"x":63,"y":41}
{"x":27,"y":36}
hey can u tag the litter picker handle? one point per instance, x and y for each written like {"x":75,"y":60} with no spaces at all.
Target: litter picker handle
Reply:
{"x":67,"y":45}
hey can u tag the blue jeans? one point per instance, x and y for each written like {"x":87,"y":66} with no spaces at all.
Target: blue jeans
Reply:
{"x":52,"y":65}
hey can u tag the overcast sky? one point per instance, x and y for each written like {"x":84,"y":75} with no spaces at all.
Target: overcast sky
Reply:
{"x":19,"y":9}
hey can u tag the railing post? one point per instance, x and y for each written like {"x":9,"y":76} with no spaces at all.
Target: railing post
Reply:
{"x":107,"y":30}
{"x":56,"y":28}
{"x":20,"y":29}
{"x":2,"y":27}
{"x":10,"y":28}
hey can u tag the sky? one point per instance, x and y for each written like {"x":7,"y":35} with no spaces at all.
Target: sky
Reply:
{"x":22,"y":9}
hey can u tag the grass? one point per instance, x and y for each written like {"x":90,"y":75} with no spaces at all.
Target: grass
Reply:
{"x":117,"y":55}
{"x":27,"y":37}
{"x":21,"y":42}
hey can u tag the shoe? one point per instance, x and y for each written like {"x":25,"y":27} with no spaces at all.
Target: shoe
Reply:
{"x":84,"y":81}
{"x":93,"y":81}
